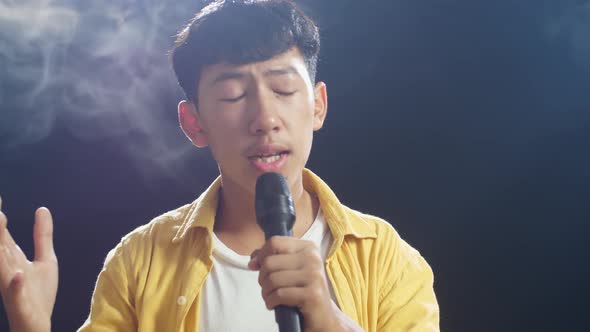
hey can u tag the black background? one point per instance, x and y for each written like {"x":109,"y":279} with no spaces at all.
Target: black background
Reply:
{"x":463,"y":123}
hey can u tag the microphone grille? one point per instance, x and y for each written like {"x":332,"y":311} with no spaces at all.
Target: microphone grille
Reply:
{"x":271,"y":184}
{"x":273,"y":202}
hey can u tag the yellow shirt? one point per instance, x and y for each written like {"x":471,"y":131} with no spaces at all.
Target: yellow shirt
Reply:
{"x":151,"y":281}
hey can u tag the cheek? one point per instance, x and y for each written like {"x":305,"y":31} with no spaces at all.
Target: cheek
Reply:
{"x":302,"y":105}
{"x":305,"y":125}
{"x":224,"y":136}
{"x":224,"y":147}
{"x":222,"y":117}
{"x":223,"y":133}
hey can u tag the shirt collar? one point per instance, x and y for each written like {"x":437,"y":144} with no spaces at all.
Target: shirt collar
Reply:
{"x":341,"y":220}
{"x":202,"y":212}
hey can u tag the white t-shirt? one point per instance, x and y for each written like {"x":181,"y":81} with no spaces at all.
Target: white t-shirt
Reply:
{"x":231,"y":296}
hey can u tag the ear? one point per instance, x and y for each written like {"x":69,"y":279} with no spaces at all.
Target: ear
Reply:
{"x":191,"y":124}
{"x":320,"y":105}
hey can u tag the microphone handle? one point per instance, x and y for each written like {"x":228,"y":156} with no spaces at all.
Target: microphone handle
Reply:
{"x":288,"y":318}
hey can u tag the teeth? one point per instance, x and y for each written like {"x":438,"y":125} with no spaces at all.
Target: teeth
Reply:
{"x":269,"y":159}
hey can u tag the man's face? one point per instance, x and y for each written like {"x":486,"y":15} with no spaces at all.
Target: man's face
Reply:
{"x":259,"y":117}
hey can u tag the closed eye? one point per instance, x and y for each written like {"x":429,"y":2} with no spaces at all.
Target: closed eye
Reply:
{"x":233,"y":100}
{"x":285,"y":93}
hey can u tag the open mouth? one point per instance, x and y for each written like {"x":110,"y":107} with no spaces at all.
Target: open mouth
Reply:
{"x":269,"y":158}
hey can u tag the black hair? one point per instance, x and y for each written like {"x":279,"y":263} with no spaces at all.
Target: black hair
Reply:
{"x":240,"y":32}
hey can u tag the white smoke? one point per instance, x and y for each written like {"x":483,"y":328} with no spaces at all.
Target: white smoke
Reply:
{"x":33,"y":34}
{"x":98,"y":67}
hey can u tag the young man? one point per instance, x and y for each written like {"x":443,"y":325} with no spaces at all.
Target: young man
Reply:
{"x":248,"y":71}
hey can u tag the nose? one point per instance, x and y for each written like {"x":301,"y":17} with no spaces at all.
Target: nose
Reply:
{"x":265,"y":117}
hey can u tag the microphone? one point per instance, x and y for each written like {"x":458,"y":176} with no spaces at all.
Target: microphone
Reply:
{"x":275,"y":214}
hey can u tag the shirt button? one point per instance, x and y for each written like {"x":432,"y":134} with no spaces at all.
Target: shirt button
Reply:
{"x":181,"y":300}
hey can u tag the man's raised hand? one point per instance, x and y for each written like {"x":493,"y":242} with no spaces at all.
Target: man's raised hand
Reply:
{"x":28,"y":288}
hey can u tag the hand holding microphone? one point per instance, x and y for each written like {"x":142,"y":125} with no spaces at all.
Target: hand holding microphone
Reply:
{"x":292,"y":273}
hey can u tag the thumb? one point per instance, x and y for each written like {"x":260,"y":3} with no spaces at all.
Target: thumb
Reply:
{"x":43,"y":235}
{"x":254,"y":264}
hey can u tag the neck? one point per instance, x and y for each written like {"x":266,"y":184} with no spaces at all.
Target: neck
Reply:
{"x":236,"y":216}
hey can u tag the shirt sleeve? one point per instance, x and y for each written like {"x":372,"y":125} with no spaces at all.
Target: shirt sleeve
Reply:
{"x":112,"y":307}
{"x":407,"y":301}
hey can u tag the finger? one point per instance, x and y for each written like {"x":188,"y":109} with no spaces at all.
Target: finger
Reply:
{"x":10,"y":249}
{"x":254,"y":263}
{"x":283,"y":245}
{"x":0,"y":202}
{"x":7,"y":266}
{"x":275,"y":263}
{"x":43,"y":235}
{"x":290,"y":296}
{"x":3,"y":221}
{"x":283,"y":279}
{"x":3,"y":246}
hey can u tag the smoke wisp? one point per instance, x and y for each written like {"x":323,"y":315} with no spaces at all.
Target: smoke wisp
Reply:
{"x":100,"y":68}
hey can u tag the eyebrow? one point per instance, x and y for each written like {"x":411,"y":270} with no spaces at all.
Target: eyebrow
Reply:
{"x":236,"y":75}
{"x":231,"y":75}
{"x":281,"y":71}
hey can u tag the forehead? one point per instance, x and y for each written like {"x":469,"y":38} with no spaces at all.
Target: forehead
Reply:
{"x":289,"y":63}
